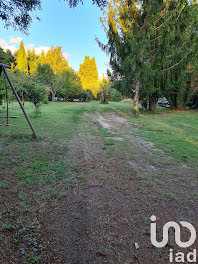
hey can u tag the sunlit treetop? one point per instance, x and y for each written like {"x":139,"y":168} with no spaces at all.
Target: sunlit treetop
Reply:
{"x":21,"y":59}
{"x":127,"y":15}
{"x":88,"y":74}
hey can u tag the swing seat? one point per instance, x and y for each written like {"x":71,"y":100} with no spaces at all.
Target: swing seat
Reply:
{"x":8,"y":116}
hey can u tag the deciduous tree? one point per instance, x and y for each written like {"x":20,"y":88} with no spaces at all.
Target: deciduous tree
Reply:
{"x":56,"y":60}
{"x":68,"y":84}
{"x":36,"y":94}
{"x":45,"y":75}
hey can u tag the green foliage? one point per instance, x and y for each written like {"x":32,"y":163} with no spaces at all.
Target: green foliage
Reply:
{"x":45,"y":75}
{"x":17,"y":13}
{"x":151,"y":45}
{"x":36,"y":94}
{"x":6,"y":57}
{"x":68,"y":84}
{"x":115,"y":95}
{"x":20,"y":81}
{"x":105,"y":87}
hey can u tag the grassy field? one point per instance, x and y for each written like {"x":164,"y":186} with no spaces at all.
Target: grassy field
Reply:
{"x":174,"y":131}
{"x":91,"y":152}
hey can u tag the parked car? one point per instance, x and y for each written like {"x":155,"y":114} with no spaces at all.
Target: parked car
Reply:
{"x":160,"y":101}
{"x":163,"y":102}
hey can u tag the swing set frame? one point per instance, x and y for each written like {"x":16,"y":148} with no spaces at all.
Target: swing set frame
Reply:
{"x":3,"y":68}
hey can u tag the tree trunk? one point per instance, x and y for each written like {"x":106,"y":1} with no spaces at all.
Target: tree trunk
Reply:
{"x":53,"y":96}
{"x":22,"y":98}
{"x":65,"y":99}
{"x":36,"y":109}
{"x":103,"y":98}
{"x":152,"y":103}
{"x":136,"y":98}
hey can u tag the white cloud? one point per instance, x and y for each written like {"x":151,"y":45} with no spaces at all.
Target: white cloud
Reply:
{"x":15,"y":40}
{"x":100,"y":76}
{"x":5,"y":46}
{"x":41,"y":48}
{"x":29,"y":46}
{"x":38,"y":50}
{"x":66,"y":55}
{"x":3,"y":43}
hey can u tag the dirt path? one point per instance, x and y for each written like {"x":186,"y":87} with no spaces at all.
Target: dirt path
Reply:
{"x":121,"y":180}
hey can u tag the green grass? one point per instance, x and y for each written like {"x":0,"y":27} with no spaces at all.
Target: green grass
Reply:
{"x":175,"y":132}
{"x":36,"y":173}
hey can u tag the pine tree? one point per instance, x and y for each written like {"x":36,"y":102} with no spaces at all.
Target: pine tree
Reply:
{"x":150,"y":44}
{"x":88,"y":74}
{"x":21,"y":59}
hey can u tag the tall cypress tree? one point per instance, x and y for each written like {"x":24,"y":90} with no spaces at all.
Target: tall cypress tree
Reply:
{"x":88,"y":74}
{"x":21,"y":59}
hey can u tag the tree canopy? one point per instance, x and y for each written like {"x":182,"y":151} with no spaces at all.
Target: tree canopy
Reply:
{"x":68,"y":84}
{"x":6,"y":57}
{"x":28,"y":62}
{"x":56,"y":60}
{"x":151,"y":43}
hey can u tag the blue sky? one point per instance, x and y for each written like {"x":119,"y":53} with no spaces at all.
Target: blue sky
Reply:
{"x":73,"y":29}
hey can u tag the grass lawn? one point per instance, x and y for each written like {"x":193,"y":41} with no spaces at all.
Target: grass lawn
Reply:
{"x":102,"y":158}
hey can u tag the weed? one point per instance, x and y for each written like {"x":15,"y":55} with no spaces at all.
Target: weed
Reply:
{"x":106,"y":204}
{"x":4,"y":185}
{"x":83,"y":178}
{"x":30,"y":259}
{"x":106,"y":225}
{"x":142,"y":177}
{"x":168,"y":196}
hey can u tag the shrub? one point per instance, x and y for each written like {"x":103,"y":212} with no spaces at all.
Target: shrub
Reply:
{"x":115,"y":95}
